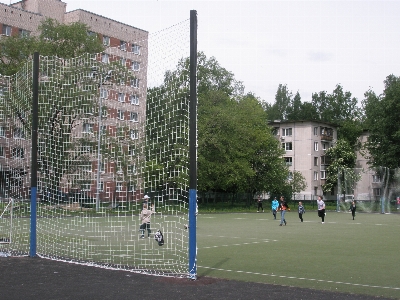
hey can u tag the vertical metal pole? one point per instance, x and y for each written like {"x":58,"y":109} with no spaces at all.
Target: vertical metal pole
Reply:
{"x":99,"y":149}
{"x":193,"y":147}
{"x":35,"y":110}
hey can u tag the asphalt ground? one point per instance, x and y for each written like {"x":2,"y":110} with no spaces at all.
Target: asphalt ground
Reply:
{"x":45,"y":279}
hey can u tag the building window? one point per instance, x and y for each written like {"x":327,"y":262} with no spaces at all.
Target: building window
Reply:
{"x":103,"y":129}
{"x":315,"y":130}
{"x":134,"y":134}
{"x":103,"y":93}
{"x":287,"y":146}
{"x":120,"y":114}
{"x":377,"y":191}
{"x":118,"y":187}
{"x":101,"y":186}
{"x":315,"y":191}
{"x":2,"y":151}
{"x":102,"y":166}
{"x":135,"y":82}
{"x":290,"y":176}
{"x":376,"y":179}
{"x":121,"y":97}
{"x":131,"y":151}
{"x":132,"y":169}
{"x":24,"y":33}
{"x":286,"y":131}
{"x":19,"y":133}
{"x":6,"y":30}
{"x":315,"y":161}
{"x":123,"y":61}
{"x":288,"y":161}
{"x":85,"y":149}
{"x":324,"y":146}
{"x":134,"y":116}
{"x":85,"y":186}
{"x":106,"y":40}
{"x":134,"y":99}
{"x":122,"y":46}
{"x":136,"y":49}
{"x":131,"y":187}
{"x":17,"y":152}
{"x":104,"y":58}
{"x":323,"y":174}
{"x":315,"y":146}
{"x":135,"y":66}
{"x":87,"y":128}
{"x":87,"y":167}
{"x":2,"y":131}
{"x":121,"y":132}
{"x":315,"y":175}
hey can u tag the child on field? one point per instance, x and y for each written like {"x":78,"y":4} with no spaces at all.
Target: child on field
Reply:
{"x":301,"y":211}
{"x":145,"y":216}
{"x":274,"y":206}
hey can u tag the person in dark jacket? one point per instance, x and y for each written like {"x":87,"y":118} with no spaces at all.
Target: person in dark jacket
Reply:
{"x":301,"y":211}
{"x":353,"y":208}
{"x":259,"y":204}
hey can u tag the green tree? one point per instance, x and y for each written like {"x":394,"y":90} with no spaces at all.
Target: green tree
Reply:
{"x":341,"y":157}
{"x":382,"y":122}
{"x":297,"y":183}
{"x":281,"y":107}
{"x":236,"y":150}
{"x":55,"y":39}
{"x":339,"y":108}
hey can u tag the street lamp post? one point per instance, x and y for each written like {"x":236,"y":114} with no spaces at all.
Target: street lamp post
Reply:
{"x":107,"y":77}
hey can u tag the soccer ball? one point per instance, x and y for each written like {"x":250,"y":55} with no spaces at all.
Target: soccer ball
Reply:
{"x":186,"y":227}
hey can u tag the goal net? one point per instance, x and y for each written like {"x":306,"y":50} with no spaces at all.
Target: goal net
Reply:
{"x":373,"y":189}
{"x":6,"y":220}
{"x":109,"y":134}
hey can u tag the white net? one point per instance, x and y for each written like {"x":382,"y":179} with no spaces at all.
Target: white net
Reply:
{"x":107,"y":136}
{"x":373,"y":190}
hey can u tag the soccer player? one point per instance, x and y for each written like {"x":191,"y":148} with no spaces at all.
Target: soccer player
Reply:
{"x":353,"y":208}
{"x":259,"y":204}
{"x":283,"y":207}
{"x":145,"y":216}
{"x":301,"y":211}
{"x":274,"y":207}
{"x":321,"y":208}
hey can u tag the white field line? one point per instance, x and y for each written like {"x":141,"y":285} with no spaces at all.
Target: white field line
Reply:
{"x":308,"y":279}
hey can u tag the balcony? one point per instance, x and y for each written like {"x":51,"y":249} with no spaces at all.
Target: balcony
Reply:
{"x":326,"y":138}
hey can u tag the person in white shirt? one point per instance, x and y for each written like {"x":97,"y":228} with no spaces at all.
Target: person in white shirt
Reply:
{"x":321,"y":209}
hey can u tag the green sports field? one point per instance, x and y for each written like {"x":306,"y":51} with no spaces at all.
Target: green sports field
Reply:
{"x":360,"y":256}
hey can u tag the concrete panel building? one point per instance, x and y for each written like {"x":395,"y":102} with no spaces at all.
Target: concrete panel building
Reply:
{"x":305,"y":143}
{"x":125,"y":43}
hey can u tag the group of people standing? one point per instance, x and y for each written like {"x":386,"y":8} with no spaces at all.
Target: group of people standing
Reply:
{"x":282,"y":206}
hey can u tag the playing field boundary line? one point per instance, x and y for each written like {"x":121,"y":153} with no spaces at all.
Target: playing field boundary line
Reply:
{"x":302,"y":278}
{"x":238,"y":244}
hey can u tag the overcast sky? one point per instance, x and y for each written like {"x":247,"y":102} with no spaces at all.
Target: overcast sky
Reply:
{"x":310,"y":46}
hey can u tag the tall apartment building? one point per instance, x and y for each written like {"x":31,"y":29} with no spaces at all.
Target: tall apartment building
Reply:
{"x":305,"y":143}
{"x":123,"y":42}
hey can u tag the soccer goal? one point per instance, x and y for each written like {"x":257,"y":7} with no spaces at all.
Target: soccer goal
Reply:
{"x":373,"y":189}
{"x":111,"y":131}
{"x":6,"y":223}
